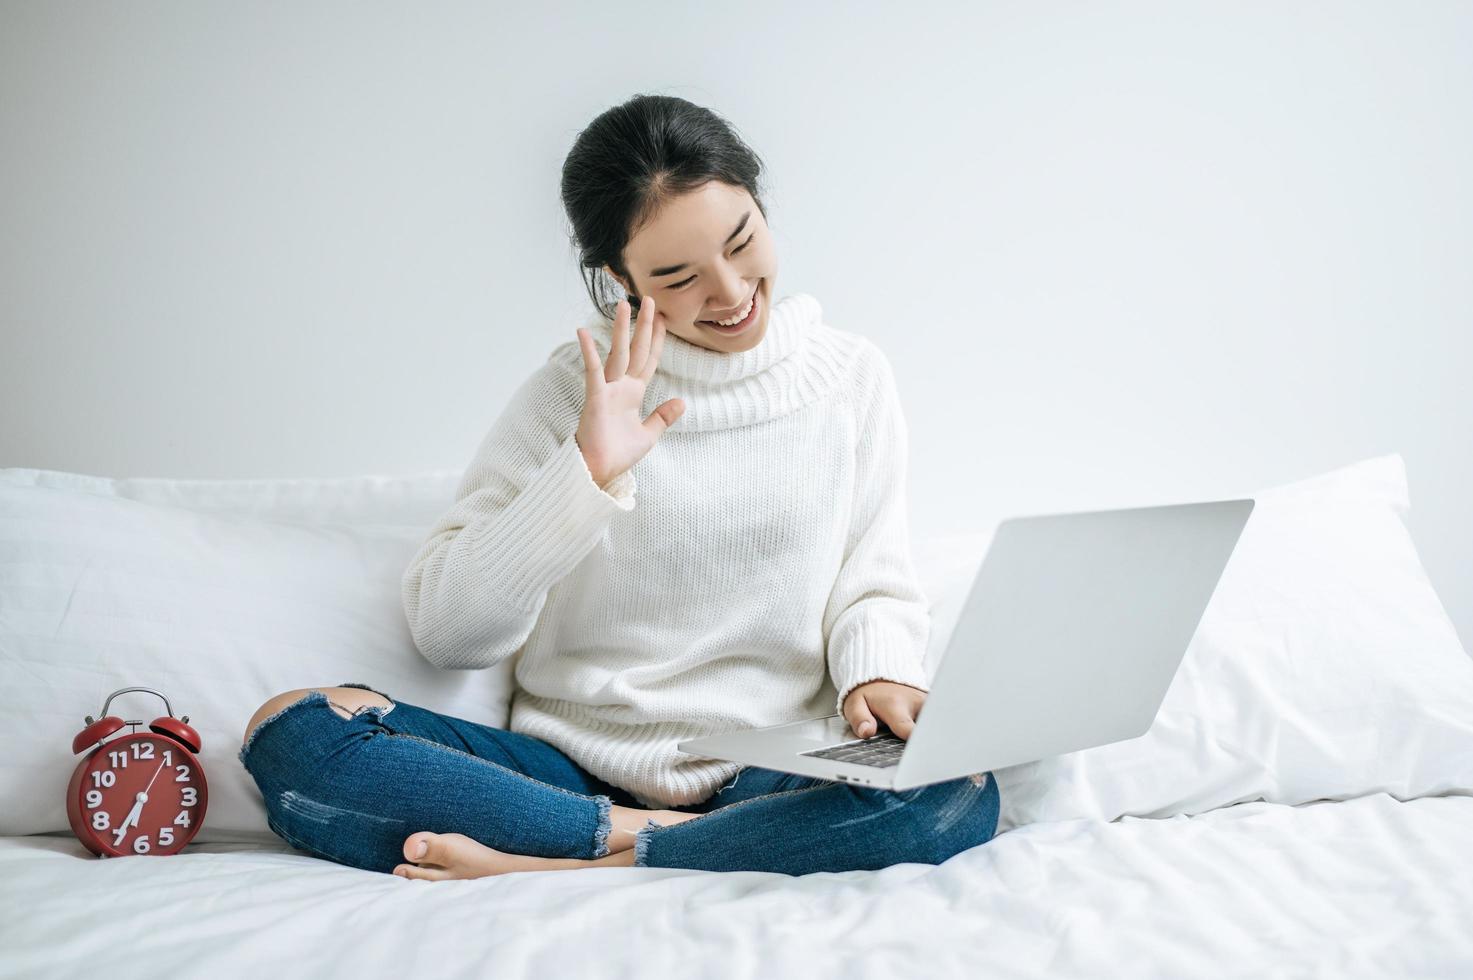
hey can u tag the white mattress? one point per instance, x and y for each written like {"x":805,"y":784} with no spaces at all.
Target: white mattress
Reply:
{"x":1368,"y":887}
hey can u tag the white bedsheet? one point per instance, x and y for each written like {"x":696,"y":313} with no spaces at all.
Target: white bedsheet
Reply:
{"x":1367,"y":887}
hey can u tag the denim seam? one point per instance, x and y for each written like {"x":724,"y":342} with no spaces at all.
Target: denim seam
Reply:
{"x":489,"y":762}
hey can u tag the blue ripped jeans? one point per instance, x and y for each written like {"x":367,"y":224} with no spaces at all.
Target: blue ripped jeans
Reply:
{"x":350,"y":790}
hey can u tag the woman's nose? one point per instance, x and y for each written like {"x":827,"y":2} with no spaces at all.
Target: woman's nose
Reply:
{"x":733,"y":294}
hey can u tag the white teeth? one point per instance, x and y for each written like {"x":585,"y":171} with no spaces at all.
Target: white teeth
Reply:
{"x":740,"y":316}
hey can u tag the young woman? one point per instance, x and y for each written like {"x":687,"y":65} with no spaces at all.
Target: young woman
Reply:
{"x":695,"y":527}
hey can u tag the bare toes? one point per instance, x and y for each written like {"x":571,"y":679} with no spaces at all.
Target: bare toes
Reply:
{"x":457,"y":856}
{"x":413,"y":842}
{"x":455,"y":852}
{"x":422,"y":874}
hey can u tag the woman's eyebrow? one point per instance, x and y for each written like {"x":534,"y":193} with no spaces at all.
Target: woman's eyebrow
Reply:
{"x":669,"y":269}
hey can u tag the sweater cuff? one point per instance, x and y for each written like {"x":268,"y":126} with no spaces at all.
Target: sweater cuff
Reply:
{"x":876,"y":651}
{"x":551,"y":525}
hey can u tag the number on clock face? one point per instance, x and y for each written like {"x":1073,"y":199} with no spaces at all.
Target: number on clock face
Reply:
{"x":140,"y":792}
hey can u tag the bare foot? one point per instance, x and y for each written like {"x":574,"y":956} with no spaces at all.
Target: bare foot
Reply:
{"x":458,"y":856}
{"x":450,"y":856}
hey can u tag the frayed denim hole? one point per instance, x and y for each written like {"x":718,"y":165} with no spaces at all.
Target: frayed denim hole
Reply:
{"x":374,"y":712}
{"x":310,"y":697}
{"x":372,"y":690}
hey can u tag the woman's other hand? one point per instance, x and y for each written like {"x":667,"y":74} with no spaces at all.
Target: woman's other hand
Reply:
{"x":897,"y":705}
{"x":611,"y":435}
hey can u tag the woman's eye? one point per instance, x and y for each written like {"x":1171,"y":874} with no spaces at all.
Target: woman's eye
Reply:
{"x":686,"y":282}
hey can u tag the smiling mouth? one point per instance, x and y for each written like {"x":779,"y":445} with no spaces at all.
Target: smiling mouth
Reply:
{"x":738,"y":309}
{"x":754,"y":303}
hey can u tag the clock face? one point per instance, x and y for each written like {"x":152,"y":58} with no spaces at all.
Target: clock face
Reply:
{"x":140,"y":794}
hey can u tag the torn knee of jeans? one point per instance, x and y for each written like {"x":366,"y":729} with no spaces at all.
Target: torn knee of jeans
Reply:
{"x":341,"y":710}
{"x":381,"y":709}
{"x":365,"y":687}
{"x":311,"y":697}
{"x":374,"y":711}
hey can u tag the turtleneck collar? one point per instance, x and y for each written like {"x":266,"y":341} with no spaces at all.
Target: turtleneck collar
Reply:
{"x":798,"y":361}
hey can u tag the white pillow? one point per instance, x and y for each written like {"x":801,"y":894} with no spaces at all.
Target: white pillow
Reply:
{"x":1324,"y":668}
{"x":416,"y":499}
{"x":217,"y":611}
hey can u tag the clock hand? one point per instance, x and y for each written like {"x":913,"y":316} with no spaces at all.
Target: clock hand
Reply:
{"x":151,"y":779}
{"x":137,"y":811}
{"x":131,"y":820}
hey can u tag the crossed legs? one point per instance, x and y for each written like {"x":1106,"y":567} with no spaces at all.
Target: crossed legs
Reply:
{"x":456,"y":855}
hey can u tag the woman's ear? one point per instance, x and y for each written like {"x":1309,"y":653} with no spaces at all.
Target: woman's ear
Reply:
{"x":618,"y":278}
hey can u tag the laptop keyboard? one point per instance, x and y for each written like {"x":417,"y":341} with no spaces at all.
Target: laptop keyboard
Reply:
{"x":880,"y":751}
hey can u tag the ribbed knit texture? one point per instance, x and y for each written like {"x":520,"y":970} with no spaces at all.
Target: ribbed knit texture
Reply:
{"x":750,"y":570}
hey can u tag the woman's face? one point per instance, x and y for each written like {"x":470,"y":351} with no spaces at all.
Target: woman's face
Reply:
{"x":702,"y":257}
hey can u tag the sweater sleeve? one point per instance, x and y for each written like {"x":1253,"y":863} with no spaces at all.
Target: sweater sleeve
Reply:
{"x":877,"y":621}
{"x":527,"y":512}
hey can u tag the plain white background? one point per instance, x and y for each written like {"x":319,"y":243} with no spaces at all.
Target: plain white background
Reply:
{"x":1118,"y":254}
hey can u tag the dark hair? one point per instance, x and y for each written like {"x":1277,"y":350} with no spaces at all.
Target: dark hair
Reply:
{"x":628,"y":162}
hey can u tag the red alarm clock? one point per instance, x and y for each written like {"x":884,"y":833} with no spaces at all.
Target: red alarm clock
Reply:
{"x":141,"y":793}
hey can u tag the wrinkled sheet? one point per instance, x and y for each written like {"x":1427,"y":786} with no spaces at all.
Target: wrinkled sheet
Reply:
{"x":1366,"y":887}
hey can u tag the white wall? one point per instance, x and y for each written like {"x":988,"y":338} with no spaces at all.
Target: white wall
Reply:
{"x":1118,"y":255}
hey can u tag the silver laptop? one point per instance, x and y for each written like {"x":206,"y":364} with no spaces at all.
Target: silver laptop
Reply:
{"x":1071,"y":634}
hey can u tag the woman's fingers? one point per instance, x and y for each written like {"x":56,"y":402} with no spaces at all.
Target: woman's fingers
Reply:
{"x":640,"y":348}
{"x":592,"y":366}
{"x":639,"y":359}
{"x":656,"y":345}
{"x":618,"y":361}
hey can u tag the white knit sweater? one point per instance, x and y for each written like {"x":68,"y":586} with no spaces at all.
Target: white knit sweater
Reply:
{"x":752,"y":569}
